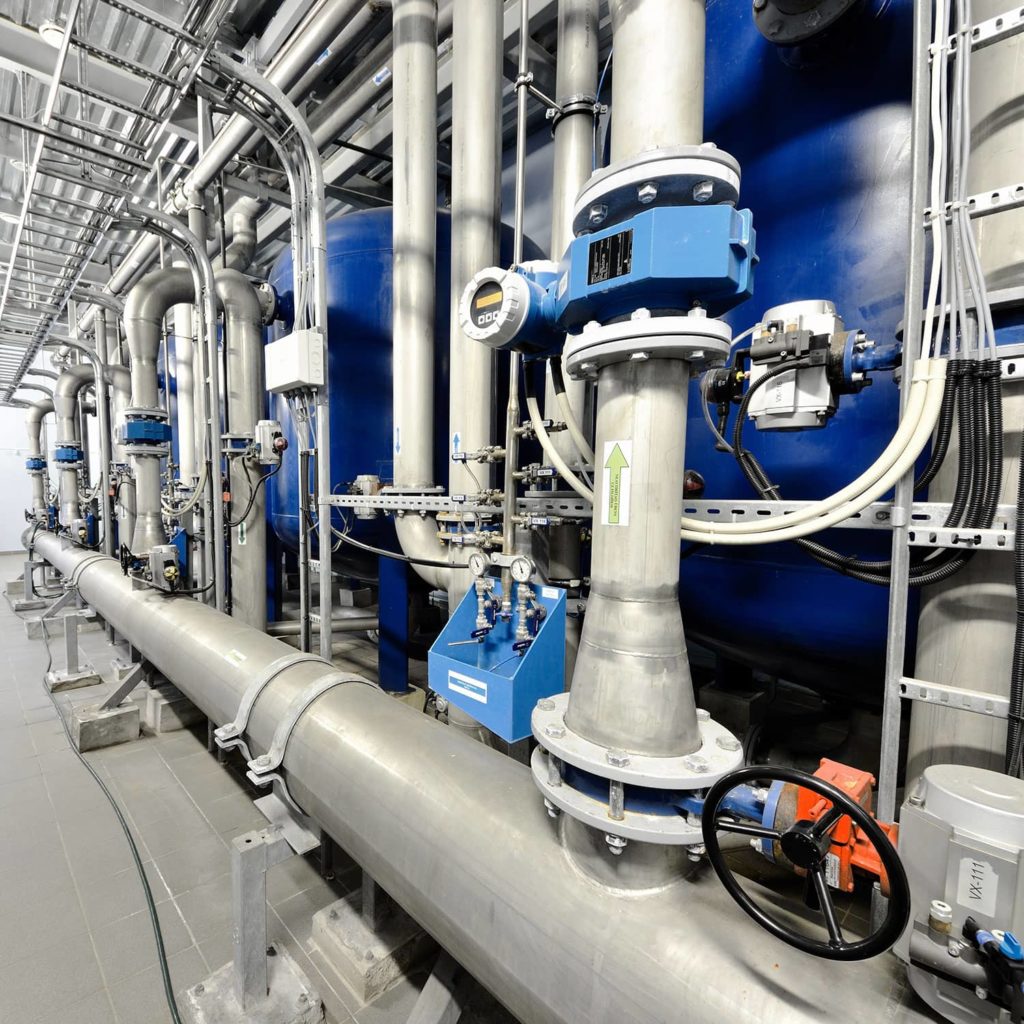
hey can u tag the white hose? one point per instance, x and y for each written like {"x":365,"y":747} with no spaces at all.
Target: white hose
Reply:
{"x":926,"y":389}
{"x":790,"y":530}
{"x":191,"y":503}
{"x":575,"y":431}
{"x":552,"y":453}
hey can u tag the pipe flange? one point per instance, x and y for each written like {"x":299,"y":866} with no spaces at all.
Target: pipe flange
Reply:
{"x":719,"y":753}
{"x":145,"y":413}
{"x":682,"y":176}
{"x":791,"y":22}
{"x":660,"y":829}
{"x":700,"y":340}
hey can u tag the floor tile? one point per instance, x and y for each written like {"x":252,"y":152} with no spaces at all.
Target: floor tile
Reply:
{"x":109,"y":899}
{"x":140,"y":998}
{"x":290,"y":877}
{"x":194,"y":864}
{"x":44,"y":984}
{"x":94,"y":1009}
{"x":173,"y":833}
{"x":207,"y":908}
{"x":128,"y":946}
{"x":29,"y":926}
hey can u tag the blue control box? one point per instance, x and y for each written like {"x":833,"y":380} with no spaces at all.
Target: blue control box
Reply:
{"x":489,"y":679}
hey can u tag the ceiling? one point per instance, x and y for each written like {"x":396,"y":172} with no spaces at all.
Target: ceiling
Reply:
{"x":115,"y":127}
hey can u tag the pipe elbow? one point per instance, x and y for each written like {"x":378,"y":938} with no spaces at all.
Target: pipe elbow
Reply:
{"x":242,"y":247}
{"x":119,"y":379}
{"x":37,"y":411}
{"x":237,"y":297}
{"x":149,"y":301}
{"x":417,"y":537}
{"x":65,"y":395}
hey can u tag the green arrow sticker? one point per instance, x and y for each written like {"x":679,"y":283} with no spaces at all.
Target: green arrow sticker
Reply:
{"x":615,"y":502}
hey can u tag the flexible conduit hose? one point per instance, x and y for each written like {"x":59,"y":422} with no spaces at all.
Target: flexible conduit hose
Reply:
{"x":575,"y":430}
{"x":913,"y":434}
{"x":911,"y":437}
{"x":1014,"y":724}
{"x":943,"y":432}
{"x":981,"y":501}
{"x":537,"y":422}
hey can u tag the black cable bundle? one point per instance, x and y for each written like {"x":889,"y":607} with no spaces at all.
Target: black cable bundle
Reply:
{"x":973,"y":392}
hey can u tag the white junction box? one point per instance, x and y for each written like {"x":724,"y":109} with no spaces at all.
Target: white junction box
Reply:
{"x":295,"y":361}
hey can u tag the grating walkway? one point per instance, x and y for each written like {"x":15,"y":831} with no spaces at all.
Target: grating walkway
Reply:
{"x":76,"y":945}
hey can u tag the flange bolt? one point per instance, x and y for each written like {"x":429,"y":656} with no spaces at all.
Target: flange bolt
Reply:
{"x":616,"y":844}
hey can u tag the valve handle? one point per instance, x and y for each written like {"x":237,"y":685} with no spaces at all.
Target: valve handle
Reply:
{"x":806,"y":844}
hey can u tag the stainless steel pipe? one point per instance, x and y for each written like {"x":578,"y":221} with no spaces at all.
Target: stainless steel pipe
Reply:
{"x":65,"y":403}
{"x":476,"y":225}
{"x":147,"y":305}
{"x":301,"y":51}
{"x":658,"y":85}
{"x":34,"y":416}
{"x":454,"y":831}
{"x":244,"y":394}
{"x":414,"y":241}
{"x":632,"y":688}
{"x":346,"y":624}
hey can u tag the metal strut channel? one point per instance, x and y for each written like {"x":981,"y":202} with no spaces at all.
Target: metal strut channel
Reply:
{"x":263,"y":769}
{"x":981,"y":703}
{"x":230,"y":736}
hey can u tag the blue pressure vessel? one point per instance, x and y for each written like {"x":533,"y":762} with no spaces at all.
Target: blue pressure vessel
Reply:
{"x":359,"y":277}
{"x":823,"y":140}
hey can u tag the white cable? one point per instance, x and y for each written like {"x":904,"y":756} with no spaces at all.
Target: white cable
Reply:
{"x":575,"y":431}
{"x":552,"y":453}
{"x":926,"y":388}
{"x":844,"y":511}
{"x":192,"y":502}
{"x":931,"y":345}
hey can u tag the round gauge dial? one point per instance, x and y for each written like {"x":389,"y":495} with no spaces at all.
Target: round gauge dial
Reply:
{"x":478,"y":563}
{"x":522,"y":569}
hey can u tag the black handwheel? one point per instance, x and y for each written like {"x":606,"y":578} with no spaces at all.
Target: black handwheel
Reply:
{"x":806,"y":844}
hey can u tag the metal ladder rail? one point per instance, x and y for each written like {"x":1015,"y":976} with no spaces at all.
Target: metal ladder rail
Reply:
{"x":899,"y":687}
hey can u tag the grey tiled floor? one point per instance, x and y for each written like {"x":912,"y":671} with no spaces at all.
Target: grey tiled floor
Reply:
{"x":75,"y":940}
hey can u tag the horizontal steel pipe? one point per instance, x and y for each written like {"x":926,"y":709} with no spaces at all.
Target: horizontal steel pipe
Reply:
{"x":348,"y":624}
{"x":457,"y":834}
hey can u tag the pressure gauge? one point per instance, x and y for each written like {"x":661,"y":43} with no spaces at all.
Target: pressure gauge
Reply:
{"x":479,"y":563}
{"x":522,"y":569}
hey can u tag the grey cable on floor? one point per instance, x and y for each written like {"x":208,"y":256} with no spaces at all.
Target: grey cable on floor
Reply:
{"x":154,"y":917}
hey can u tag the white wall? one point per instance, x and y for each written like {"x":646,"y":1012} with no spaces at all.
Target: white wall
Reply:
{"x":15,"y":490}
{"x":15,"y":493}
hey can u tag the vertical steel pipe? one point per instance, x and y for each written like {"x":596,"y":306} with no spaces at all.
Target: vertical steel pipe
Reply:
{"x":414,"y":239}
{"x":575,"y":85}
{"x":476,"y":224}
{"x":244,"y":396}
{"x":631,"y":687}
{"x":34,"y":428}
{"x":658,"y":86}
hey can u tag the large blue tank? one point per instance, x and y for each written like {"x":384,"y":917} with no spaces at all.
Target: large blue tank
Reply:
{"x":359,"y":277}
{"x":824,"y":151}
